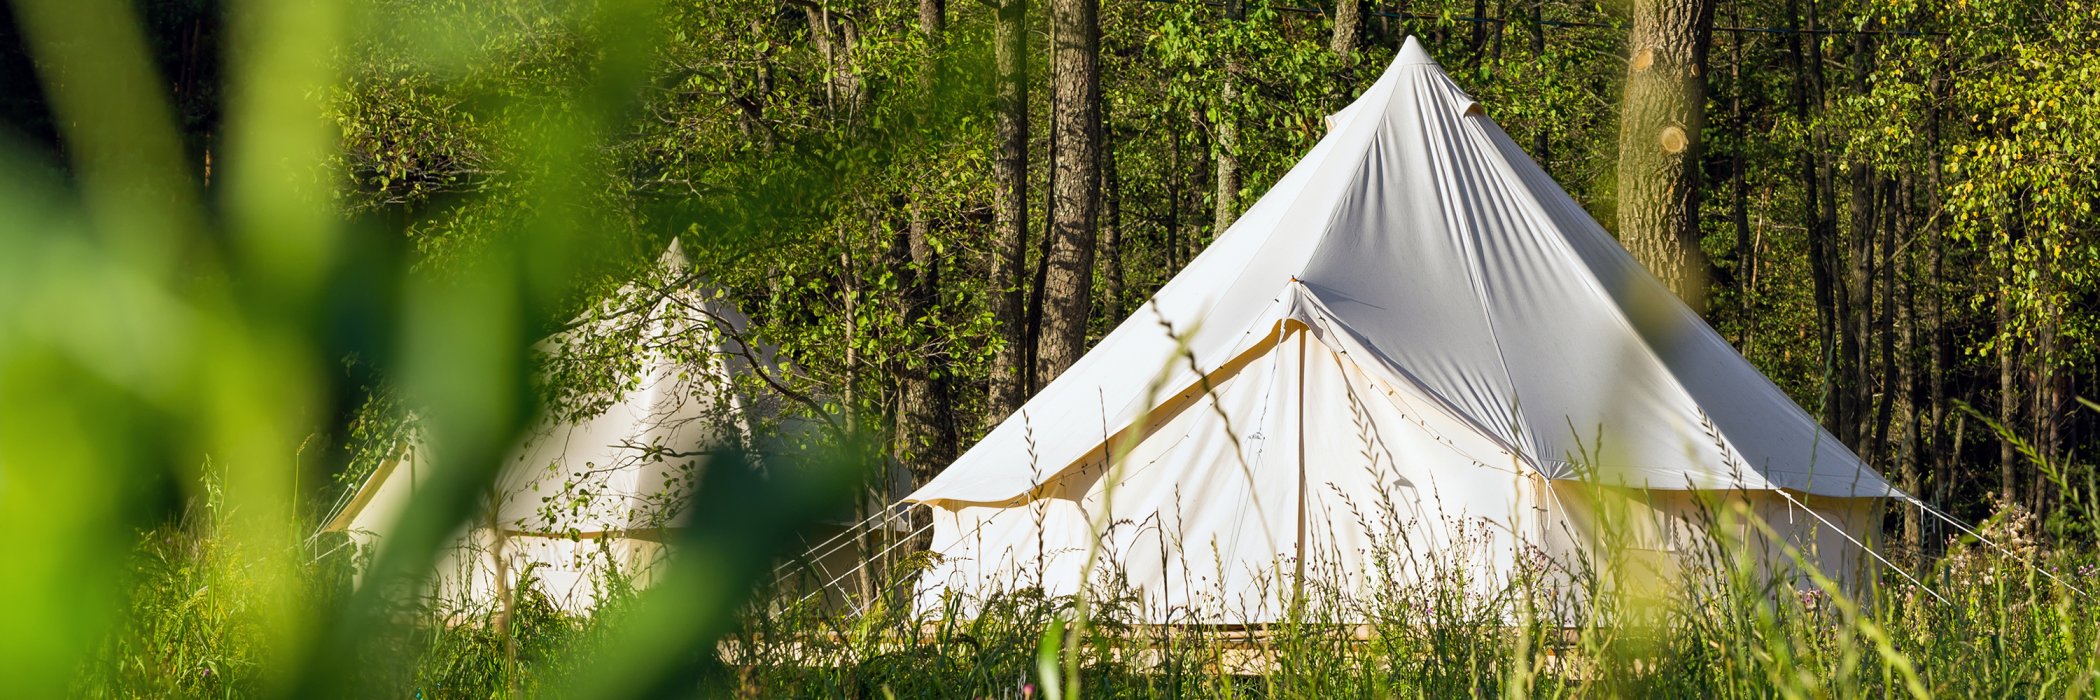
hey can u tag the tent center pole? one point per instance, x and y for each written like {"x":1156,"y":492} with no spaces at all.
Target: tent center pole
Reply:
{"x":1298,"y":580}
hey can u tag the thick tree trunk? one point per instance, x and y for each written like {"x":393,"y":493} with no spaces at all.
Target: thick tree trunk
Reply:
{"x":1010,"y":180}
{"x":933,"y":18}
{"x":1659,"y":123}
{"x":1075,"y":128}
{"x":1348,"y":26}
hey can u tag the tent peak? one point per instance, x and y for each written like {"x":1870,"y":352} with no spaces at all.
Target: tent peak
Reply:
{"x":1412,"y":54}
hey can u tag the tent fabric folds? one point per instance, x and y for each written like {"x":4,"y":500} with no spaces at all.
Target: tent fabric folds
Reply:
{"x":1414,"y":318}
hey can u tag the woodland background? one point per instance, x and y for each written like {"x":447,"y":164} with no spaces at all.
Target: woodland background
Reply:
{"x":1891,"y":201}
{"x":218,"y":310}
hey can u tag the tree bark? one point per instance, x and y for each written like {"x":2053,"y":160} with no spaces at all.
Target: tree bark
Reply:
{"x":1884,"y":408}
{"x":1659,"y":124}
{"x":1944,"y":457}
{"x":1855,"y":360}
{"x":1112,"y":234}
{"x":933,"y":18}
{"x":1915,"y":401}
{"x":1829,"y":256}
{"x":1227,"y":129}
{"x":1075,"y":128}
{"x":2008,"y":399}
{"x":1176,"y":171}
{"x":1541,"y":148}
{"x":1739,"y":205}
{"x":836,"y":40}
{"x":1010,"y":179}
{"x":925,"y":439}
{"x":1807,"y":90}
{"x":1348,"y":27}
{"x":1476,"y":47}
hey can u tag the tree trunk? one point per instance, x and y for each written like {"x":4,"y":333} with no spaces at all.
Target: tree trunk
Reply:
{"x":1476,"y":47}
{"x":1855,"y":360}
{"x":1010,"y":179}
{"x":1075,"y":128}
{"x":1739,"y":204}
{"x":925,"y":440}
{"x":1944,"y":458}
{"x":1830,"y":261}
{"x":1659,"y":124}
{"x":1348,"y":26}
{"x":1192,"y":243}
{"x":1113,"y":287}
{"x":933,"y":19}
{"x":836,"y":40}
{"x":1884,"y":409}
{"x":2048,"y":404}
{"x":1227,"y":129}
{"x":2008,"y":399}
{"x":1176,"y":170}
{"x":1807,"y":89}
{"x":1915,"y":401}
{"x":1541,"y":149}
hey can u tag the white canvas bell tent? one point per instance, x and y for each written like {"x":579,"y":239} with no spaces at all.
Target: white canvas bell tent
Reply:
{"x":582,"y":498}
{"x":1415,"y":351}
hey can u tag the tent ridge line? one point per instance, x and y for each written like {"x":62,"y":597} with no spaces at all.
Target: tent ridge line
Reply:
{"x":1511,"y":169}
{"x":1341,"y":330}
{"x":1470,"y":250}
{"x":1384,"y":103}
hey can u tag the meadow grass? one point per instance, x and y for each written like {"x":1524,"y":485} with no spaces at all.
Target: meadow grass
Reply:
{"x":2004,"y":628}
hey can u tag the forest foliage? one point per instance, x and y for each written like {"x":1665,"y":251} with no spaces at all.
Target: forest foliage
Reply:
{"x":248,"y":241}
{"x":1895,"y":197}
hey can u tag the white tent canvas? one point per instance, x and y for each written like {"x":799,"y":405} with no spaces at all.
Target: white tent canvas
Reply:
{"x":1415,"y":352}
{"x":580,"y":499}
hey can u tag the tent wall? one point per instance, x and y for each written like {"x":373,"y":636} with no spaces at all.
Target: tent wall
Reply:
{"x":1209,"y":516}
{"x":1298,"y":455}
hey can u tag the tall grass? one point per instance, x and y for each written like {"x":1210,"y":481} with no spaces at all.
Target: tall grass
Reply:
{"x":2004,"y":629}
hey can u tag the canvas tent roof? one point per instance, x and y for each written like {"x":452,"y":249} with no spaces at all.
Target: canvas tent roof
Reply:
{"x":1418,"y":239}
{"x":622,"y":468}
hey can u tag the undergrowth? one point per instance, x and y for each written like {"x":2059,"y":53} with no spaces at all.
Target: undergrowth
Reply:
{"x":2005,"y":627}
